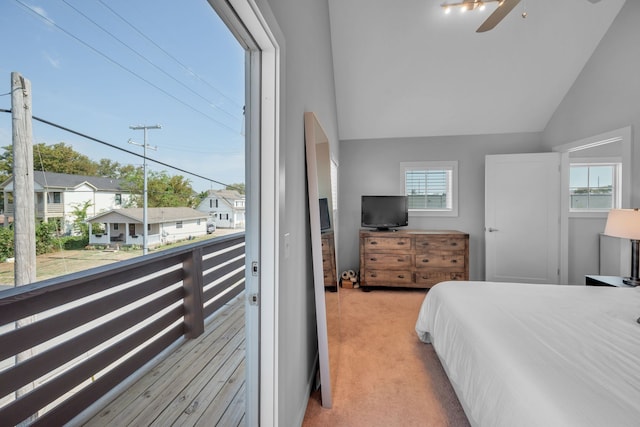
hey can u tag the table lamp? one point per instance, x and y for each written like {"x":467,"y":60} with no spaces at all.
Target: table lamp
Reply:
{"x":625,"y":223}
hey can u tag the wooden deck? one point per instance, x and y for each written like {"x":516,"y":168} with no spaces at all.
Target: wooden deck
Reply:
{"x":200,"y":384}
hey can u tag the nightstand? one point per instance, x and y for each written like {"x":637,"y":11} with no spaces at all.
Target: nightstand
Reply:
{"x":593,"y":280}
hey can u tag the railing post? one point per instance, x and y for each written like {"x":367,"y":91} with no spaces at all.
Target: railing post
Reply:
{"x":193,"y":310}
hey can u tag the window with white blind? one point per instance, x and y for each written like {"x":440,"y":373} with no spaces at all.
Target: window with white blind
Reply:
{"x":431,"y":186}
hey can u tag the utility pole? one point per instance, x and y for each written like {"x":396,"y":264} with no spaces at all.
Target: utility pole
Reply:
{"x":145,"y":247}
{"x":23,"y":198}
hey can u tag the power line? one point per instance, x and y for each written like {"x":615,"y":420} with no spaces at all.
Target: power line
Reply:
{"x":91,"y":138}
{"x":147,"y":60}
{"x":125,"y":150}
{"x":184,"y":67}
{"x":113,"y":61}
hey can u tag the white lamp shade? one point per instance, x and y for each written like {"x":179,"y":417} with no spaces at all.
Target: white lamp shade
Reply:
{"x":623,"y":223}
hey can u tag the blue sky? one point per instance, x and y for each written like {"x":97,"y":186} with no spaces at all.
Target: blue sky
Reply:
{"x":591,"y":176}
{"x":100,"y":66}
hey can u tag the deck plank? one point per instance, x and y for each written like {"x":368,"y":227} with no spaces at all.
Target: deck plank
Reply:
{"x":184,"y":384}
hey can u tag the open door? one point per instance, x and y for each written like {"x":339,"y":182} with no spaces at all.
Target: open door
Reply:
{"x":522,"y":218}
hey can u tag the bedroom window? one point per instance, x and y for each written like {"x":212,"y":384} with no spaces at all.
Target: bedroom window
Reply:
{"x":594,"y":187}
{"x":432,"y":187}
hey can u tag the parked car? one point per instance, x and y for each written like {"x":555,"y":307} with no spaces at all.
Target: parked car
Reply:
{"x":211,"y":228}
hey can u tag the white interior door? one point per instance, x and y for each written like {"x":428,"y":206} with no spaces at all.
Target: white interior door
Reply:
{"x":522,"y":218}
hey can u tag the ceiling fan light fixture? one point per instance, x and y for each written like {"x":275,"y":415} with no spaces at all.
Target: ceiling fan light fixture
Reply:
{"x":465,"y":5}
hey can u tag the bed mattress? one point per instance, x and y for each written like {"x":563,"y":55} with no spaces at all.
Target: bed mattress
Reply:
{"x":538,"y":355}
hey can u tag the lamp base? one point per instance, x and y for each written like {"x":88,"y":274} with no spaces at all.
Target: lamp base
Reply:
{"x":631,"y":281}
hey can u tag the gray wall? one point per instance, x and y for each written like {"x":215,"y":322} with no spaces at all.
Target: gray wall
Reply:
{"x":604,"y":97}
{"x":307,"y":85}
{"x":373,"y":167}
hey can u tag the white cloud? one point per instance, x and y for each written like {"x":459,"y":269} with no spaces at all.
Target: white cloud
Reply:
{"x":55,"y":63}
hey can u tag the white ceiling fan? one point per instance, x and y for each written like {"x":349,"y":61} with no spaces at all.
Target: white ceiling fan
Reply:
{"x":503,"y":9}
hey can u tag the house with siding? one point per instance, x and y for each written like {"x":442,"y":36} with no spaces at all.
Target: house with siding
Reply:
{"x":225,"y":208}
{"x":58,"y":194}
{"x":164,"y":225}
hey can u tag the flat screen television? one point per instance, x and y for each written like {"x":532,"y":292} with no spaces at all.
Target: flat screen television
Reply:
{"x":325,"y":218}
{"x":385,"y":212}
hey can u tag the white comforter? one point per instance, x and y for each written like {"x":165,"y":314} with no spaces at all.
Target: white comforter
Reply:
{"x":538,"y":355}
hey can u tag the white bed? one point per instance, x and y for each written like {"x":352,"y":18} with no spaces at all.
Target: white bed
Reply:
{"x":538,"y":355}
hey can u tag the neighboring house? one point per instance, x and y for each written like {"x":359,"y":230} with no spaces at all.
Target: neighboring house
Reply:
{"x":164,"y":225}
{"x":225,"y":208}
{"x":58,"y":194}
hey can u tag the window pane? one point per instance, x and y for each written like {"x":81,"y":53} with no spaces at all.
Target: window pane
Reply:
{"x":591,"y":187}
{"x":428,"y":189}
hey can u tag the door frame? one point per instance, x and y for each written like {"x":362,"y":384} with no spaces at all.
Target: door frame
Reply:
{"x":622,"y":135}
{"x":255,"y":27}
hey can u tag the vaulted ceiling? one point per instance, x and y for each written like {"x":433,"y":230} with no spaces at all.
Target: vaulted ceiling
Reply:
{"x":403,"y":68}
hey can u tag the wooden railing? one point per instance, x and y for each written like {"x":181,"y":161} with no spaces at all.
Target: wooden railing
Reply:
{"x":95,"y":328}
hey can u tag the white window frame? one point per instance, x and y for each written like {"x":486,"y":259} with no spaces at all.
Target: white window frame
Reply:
{"x":448,"y":165}
{"x":617,"y":190}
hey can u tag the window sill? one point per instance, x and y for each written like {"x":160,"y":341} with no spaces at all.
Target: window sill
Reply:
{"x":433,"y":213}
{"x":590,"y":214}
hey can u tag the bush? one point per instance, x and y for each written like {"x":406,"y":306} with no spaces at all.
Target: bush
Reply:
{"x":45,"y":240}
{"x":6,"y":243}
{"x":74,"y":242}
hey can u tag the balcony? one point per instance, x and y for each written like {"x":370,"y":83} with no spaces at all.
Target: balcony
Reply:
{"x":172,"y":321}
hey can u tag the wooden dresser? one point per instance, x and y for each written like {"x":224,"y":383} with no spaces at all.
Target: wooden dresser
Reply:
{"x":413,"y":258}
{"x":329,"y":259}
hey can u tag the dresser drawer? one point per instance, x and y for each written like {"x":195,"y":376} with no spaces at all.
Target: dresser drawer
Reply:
{"x":388,"y":261}
{"x":329,"y":279}
{"x":436,"y":260}
{"x":429,"y":243}
{"x":381,"y":244}
{"x":388,"y":277}
{"x":431,"y":278}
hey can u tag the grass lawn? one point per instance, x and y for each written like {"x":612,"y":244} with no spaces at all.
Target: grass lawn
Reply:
{"x":64,"y":262}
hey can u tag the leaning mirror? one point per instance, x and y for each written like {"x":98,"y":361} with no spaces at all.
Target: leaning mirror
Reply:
{"x":321,"y":172}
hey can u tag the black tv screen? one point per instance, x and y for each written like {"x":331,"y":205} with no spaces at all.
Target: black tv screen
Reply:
{"x":384,"y":212}
{"x":325,"y":218}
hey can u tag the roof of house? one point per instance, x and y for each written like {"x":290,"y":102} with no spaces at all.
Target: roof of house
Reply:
{"x":226,"y":194}
{"x":154,"y":215}
{"x":69,"y":181}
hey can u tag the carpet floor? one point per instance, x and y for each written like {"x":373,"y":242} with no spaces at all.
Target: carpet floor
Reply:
{"x":386,"y":376}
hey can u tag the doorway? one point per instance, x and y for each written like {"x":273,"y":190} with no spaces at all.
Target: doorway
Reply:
{"x":257,"y":31}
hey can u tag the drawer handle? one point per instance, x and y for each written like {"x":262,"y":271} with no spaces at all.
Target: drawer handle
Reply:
{"x":400,"y":243}
{"x":400,"y":260}
{"x":373,"y":259}
{"x":374,"y":275}
{"x":374,"y":243}
{"x":425,"y":260}
{"x":400,"y":276}
{"x":453,"y":261}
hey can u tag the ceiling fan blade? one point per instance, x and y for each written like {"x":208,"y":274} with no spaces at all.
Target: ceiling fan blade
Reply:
{"x":497,"y":15}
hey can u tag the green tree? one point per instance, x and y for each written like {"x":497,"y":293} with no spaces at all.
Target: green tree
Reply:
{"x":60,"y":158}
{"x":163,"y":190}
{"x":79,"y":212}
{"x":108,"y":168}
